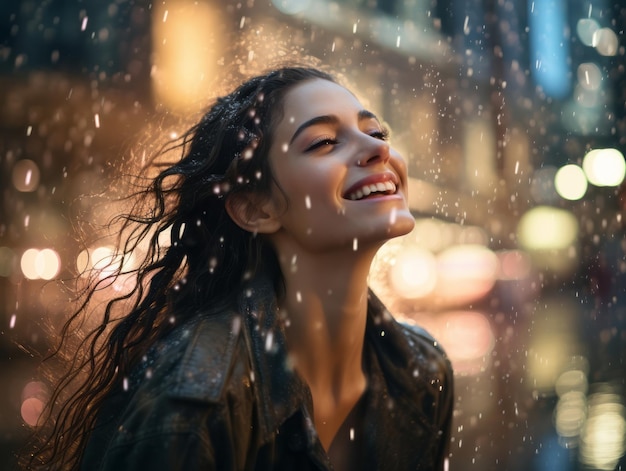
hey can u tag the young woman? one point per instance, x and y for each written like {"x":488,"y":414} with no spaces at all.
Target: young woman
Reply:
{"x":252,"y":341}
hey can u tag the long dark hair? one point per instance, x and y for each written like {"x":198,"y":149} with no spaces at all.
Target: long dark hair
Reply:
{"x":205,"y":262}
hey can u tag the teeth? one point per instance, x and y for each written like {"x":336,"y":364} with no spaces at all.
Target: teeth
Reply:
{"x":367,"y":190}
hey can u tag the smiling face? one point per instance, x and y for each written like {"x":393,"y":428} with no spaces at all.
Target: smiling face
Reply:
{"x":341,"y":178}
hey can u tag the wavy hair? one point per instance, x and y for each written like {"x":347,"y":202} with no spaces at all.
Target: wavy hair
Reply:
{"x":204,"y":264}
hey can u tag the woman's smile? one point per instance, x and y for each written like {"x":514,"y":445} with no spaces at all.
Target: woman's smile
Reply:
{"x":334,"y":166}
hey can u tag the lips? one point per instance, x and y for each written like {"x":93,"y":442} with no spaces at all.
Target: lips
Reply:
{"x":381,"y":184}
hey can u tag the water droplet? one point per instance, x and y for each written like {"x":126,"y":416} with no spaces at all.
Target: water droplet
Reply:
{"x":269,"y":341}
{"x":307,"y":201}
{"x":355,"y":244}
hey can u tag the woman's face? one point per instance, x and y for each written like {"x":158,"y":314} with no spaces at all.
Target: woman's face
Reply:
{"x":342,"y":180}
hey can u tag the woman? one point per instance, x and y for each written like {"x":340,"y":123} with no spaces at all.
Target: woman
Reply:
{"x":253,"y":341}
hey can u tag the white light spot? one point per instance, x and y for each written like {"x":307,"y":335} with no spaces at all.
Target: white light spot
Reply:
{"x":307,"y":201}
{"x":29,"y":130}
{"x":351,"y":434}
{"x":393,"y":216}
{"x":12,"y":321}
{"x":96,"y":119}
{"x":355,"y":244}
{"x":83,"y":25}
{"x":125,"y":384}
{"x":298,"y":296}
{"x":242,"y":22}
{"x":165,"y":16}
{"x":269,"y":341}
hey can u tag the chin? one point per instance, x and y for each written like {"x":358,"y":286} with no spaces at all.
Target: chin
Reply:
{"x":402,"y":225}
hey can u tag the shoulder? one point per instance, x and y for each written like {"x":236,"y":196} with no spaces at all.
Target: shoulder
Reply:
{"x":193,"y":362}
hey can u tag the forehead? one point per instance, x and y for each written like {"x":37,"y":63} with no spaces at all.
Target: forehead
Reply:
{"x":318,"y":97}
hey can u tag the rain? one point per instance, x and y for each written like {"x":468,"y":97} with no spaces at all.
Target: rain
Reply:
{"x":511,"y":116}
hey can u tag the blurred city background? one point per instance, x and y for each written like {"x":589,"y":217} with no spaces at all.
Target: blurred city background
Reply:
{"x":510,"y":113}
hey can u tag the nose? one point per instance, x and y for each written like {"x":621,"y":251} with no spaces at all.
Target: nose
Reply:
{"x":373,"y":150}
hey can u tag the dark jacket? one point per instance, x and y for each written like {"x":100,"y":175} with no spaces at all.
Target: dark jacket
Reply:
{"x":217,"y":393}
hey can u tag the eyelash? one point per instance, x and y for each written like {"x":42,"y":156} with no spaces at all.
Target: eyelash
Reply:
{"x":382,"y":134}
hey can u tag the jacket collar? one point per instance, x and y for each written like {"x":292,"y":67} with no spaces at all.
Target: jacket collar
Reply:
{"x":276,"y":379}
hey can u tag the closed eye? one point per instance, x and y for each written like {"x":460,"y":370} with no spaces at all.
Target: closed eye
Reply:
{"x":382,"y":134}
{"x":321,"y":142}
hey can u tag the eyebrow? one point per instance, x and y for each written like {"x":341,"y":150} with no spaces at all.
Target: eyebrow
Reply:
{"x":329,"y":119}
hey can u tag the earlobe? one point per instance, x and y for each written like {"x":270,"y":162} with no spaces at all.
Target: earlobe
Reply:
{"x":253,"y":213}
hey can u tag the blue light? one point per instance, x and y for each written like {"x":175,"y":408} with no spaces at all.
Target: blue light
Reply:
{"x":549,"y":47}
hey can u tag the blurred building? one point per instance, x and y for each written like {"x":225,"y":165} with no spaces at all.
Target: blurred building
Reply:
{"x":512,"y":118}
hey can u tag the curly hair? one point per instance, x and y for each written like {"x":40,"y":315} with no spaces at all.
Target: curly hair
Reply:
{"x":207,"y":259}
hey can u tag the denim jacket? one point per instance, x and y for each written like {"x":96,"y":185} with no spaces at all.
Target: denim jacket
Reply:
{"x":218,"y":394}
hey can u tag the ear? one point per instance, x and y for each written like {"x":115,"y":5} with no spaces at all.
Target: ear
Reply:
{"x":253,"y":213}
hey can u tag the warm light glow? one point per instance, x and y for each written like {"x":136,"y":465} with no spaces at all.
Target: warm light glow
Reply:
{"x":40,"y":264}
{"x":570,"y":416}
{"x":34,"y":397}
{"x":105,"y":260}
{"x":547,"y":228}
{"x":25,"y":175}
{"x":571,"y":409}
{"x":604,"y":435}
{"x":186,"y":39}
{"x":604,"y":167}
{"x":570,"y":182}
{"x":514,"y":265}
{"x":466,"y":273}
{"x":467,"y":339}
{"x":414,"y":273}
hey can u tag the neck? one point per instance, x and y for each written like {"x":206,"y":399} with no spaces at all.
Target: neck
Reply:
{"x":326,"y":305}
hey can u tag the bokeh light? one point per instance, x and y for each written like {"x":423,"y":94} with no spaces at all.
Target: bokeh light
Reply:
{"x":604,"y":167}
{"x":467,"y":338}
{"x":40,"y":264}
{"x":25,"y":175}
{"x":547,"y":228}
{"x":414,"y":273}
{"x":589,"y":76}
{"x":604,"y":435}
{"x":605,"y":41}
{"x":34,"y":397}
{"x":187,"y":43}
{"x":514,"y":265}
{"x":586,"y":28}
{"x":570,"y":182}
{"x":466,"y":273}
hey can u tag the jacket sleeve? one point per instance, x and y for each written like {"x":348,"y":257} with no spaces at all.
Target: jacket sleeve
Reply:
{"x":179,"y":435}
{"x":192,"y":414}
